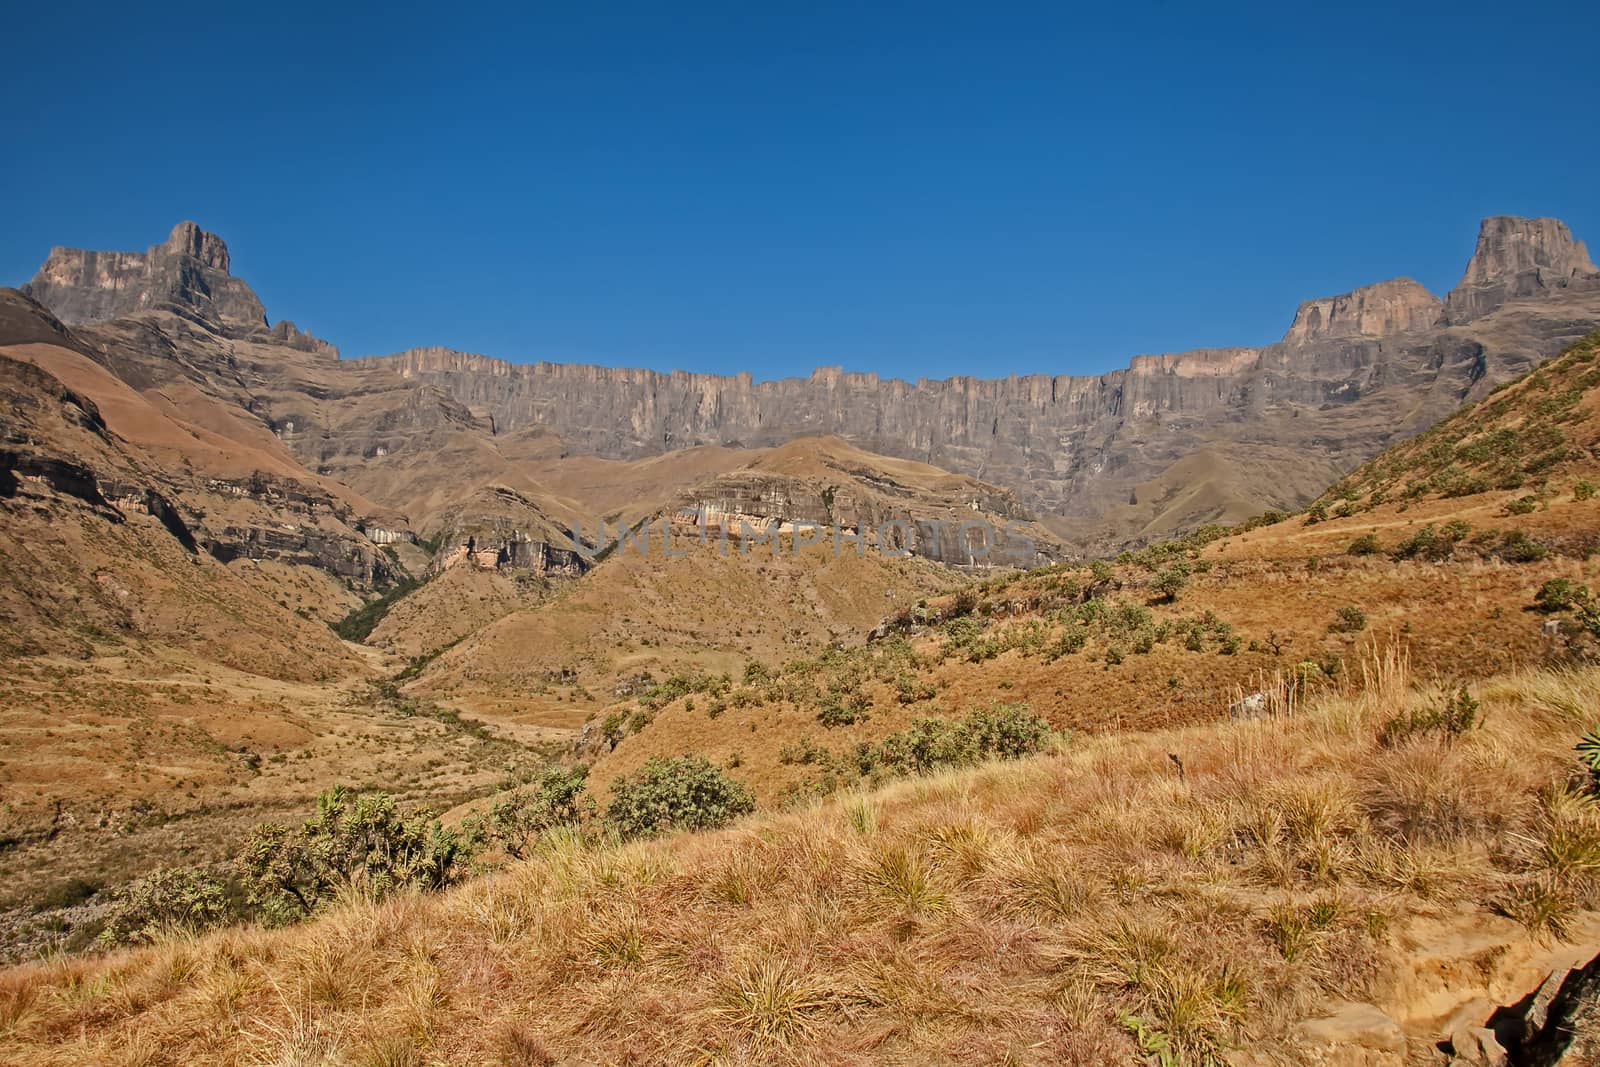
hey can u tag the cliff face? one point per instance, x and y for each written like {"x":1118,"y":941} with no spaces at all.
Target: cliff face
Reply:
{"x":187,"y":274}
{"x":1353,"y":374}
{"x":1519,"y":258}
{"x":1398,"y":306}
{"x":1270,"y":426}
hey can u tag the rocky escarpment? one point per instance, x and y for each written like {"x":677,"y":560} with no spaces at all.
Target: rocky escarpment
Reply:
{"x":1353,"y":374}
{"x":187,"y":274}
{"x":855,"y":507}
{"x":1518,"y":257}
{"x":139,"y":459}
{"x":497,"y":528}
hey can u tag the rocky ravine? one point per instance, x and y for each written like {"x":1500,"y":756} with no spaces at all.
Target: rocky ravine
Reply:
{"x":1353,"y":374}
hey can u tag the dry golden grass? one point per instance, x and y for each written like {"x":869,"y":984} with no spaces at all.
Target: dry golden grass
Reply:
{"x":1069,"y":908}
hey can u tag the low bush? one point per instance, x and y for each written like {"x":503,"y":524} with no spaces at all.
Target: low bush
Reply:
{"x":1560,"y":594}
{"x":683,"y":793}
{"x":555,"y":798}
{"x":1348,"y":620}
{"x":177,"y":898}
{"x":354,"y":840}
{"x":1365,"y":545}
{"x":1452,"y":714}
{"x":1523,"y":505}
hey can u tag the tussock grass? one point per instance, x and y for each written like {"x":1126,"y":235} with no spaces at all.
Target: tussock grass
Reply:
{"x":1090,"y":905}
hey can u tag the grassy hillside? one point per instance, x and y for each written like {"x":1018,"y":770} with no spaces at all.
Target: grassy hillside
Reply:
{"x":1182,"y":892}
{"x":1536,"y":436}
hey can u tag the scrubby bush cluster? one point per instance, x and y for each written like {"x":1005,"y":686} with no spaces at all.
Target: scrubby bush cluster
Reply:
{"x":355,"y":842}
{"x":1003,"y":731}
{"x":363,"y":844}
{"x":684,"y":793}
{"x":522,"y":816}
{"x":1452,"y":713}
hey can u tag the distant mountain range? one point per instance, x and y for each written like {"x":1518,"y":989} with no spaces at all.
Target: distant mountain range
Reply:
{"x":443,"y":446}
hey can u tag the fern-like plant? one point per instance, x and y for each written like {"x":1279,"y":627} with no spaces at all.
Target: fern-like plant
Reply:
{"x":1589,"y":752}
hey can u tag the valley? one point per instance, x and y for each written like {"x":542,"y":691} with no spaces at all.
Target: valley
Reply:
{"x":1291,"y":644}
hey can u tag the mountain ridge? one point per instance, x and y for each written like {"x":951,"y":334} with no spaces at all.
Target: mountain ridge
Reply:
{"x":1352,"y":374}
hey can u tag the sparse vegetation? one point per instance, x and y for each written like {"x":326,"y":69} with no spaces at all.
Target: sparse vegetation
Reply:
{"x":1188,"y":918}
{"x":1348,"y":620}
{"x":1365,"y":545}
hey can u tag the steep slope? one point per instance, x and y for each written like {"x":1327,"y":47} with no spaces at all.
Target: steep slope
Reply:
{"x":1539,"y":430}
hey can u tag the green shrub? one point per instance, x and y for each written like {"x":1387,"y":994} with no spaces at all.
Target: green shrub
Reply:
{"x":1348,"y":620}
{"x":176,"y":898}
{"x":354,"y":839}
{"x":1170,"y":582}
{"x":844,"y":708}
{"x":1452,"y":714}
{"x":555,"y":798}
{"x":1522,"y":505}
{"x":1583,"y":491}
{"x":1365,"y":545}
{"x":1560,"y":594}
{"x":1517,"y":547}
{"x":1005,"y":731}
{"x":683,"y":793}
{"x":1427,"y":543}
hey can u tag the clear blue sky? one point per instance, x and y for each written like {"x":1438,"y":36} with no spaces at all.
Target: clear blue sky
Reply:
{"x":916,"y":189}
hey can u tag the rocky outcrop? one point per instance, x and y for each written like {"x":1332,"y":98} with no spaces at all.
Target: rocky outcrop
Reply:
{"x":969,"y":525}
{"x":287,"y":333}
{"x":1381,"y":310}
{"x":1518,"y":257}
{"x":188,"y":274}
{"x":497,"y":528}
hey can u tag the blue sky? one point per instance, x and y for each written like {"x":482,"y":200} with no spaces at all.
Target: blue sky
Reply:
{"x":914,"y":189}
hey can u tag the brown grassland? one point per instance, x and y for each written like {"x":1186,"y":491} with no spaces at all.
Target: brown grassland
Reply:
{"x":1071,"y":907}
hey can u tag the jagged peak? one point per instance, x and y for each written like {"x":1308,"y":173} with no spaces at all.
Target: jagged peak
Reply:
{"x":1510,"y":243}
{"x":1517,"y":257}
{"x":188,"y":239}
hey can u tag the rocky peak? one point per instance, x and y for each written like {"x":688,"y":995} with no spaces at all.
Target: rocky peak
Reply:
{"x":1518,"y":257}
{"x":187,"y":273}
{"x":188,"y":239}
{"x":287,"y":333}
{"x":1399,"y":305}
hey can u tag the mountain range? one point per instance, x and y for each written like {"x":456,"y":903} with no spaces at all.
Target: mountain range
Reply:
{"x":1168,"y":443}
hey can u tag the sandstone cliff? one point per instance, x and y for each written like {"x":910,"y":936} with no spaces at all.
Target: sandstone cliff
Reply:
{"x":187,"y":274}
{"x":1519,"y":258}
{"x":1352,"y":374}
